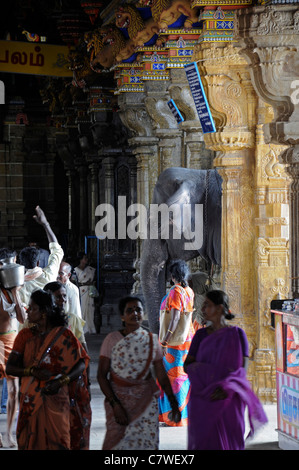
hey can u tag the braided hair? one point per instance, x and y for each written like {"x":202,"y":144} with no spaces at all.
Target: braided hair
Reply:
{"x":180,"y":272}
{"x":218,"y":297}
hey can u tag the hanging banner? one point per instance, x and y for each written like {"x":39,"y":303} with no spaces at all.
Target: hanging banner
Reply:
{"x":34,"y":58}
{"x":199,"y":97}
{"x":175,"y":111}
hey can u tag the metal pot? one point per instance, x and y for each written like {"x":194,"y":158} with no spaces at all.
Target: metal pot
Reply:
{"x":11,"y":273}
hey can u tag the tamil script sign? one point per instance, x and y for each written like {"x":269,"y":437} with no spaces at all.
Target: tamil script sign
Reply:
{"x":199,"y":97}
{"x":34,"y":58}
{"x":175,"y":111}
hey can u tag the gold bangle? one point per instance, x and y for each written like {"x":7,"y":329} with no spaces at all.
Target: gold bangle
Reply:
{"x":65,"y":380}
{"x":27,"y":371}
{"x":170,"y":331}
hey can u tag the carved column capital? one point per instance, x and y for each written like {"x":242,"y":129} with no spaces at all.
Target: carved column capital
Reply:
{"x":134,"y":115}
{"x":230,"y":94}
{"x":269,"y":36}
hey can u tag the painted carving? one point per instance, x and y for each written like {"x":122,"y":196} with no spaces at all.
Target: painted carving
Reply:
{"x":141,"y":31}
{"x":271,"y":166}
{"x":168,"y":12}
{"x":107,"y":47}
{"x":79,"y":64}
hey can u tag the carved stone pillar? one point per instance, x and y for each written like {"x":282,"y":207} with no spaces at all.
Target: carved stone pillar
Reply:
{"x":198,"y":156}
{"x":136,"y":118}
{"x":271,"y":251}
{"x":71,"y":175}
{"x":224,"y":76}
{"x":109,"y":198}
{"x":169,"y":148}
{"x":144,"y":148}
{"x":233,"y":103}
{"x":291,"y":157}
{"x":94,"y":192}
{"x":83,"y":203}
{"x":269,"y":36}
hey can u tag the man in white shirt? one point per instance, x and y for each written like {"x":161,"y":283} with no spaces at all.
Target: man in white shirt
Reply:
{"x":35,"y":276}
{"x":72,"y":291}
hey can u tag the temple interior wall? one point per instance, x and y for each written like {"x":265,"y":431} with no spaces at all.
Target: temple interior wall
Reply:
{"x":89,"y":154}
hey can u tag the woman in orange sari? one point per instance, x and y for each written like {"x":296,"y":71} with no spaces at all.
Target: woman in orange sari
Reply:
{"x":180,"y":299}
{"x":47,"y":357}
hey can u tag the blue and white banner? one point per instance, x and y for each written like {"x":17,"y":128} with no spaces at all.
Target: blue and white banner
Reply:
{"x":175,"y":111}
{"x":199,"y":97}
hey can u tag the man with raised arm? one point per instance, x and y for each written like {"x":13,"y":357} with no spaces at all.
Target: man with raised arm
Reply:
{"x":36,"y":277}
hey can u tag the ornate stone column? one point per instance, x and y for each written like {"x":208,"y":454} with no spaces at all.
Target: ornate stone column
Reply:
{"x":109,"y":198}
{"x":226,"y":82}
{"x":169,"y":148}
{"x":143,"y":145}
{"x":233,"y":103}
{"x":94,"y":193}
{"x":144,"y":149}
{"x":271,"y":250}
{"x":269,"y":36}
{"x":83,"y":202}
{"x":135,"y":117}
{"x":291,"y":157}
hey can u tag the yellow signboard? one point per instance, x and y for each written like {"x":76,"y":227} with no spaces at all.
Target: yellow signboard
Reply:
{"x":34,"y":58}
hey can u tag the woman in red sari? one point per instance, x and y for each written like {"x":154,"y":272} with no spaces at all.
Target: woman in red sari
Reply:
{"x":47,"y":357}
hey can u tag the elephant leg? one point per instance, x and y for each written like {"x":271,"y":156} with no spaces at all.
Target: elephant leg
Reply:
{"x":153,"y":280}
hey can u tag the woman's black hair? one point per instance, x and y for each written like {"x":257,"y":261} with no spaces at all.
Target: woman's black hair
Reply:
{"x":123,"y":302}
{"x":46,"y":303}
{"x":218,"y":297}
{"x":180,"y":272}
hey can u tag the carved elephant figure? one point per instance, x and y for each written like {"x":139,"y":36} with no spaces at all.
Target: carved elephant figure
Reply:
{"x":180,"y":187}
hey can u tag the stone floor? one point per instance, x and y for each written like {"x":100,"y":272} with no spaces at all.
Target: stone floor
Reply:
{"x":170,"y":438}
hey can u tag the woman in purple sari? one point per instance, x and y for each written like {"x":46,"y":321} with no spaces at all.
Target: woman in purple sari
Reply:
{"x":220,"y":391}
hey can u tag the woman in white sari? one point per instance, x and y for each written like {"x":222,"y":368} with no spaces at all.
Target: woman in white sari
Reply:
{"x":127,"y":359}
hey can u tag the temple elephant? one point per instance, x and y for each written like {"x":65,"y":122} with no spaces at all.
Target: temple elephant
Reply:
{"x":179,"y":186}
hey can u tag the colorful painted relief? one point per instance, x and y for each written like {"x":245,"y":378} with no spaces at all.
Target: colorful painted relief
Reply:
{"x":152,"y":36}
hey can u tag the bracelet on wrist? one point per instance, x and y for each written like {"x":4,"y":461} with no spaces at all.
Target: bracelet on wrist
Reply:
{"x":27,"y":371}
{"x":170,"y":331}
{"x":64,"y":380}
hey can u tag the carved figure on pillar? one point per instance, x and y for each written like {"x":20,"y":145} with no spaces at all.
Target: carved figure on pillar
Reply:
{"x":172,"y":13}
{"x":141,"y":31}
